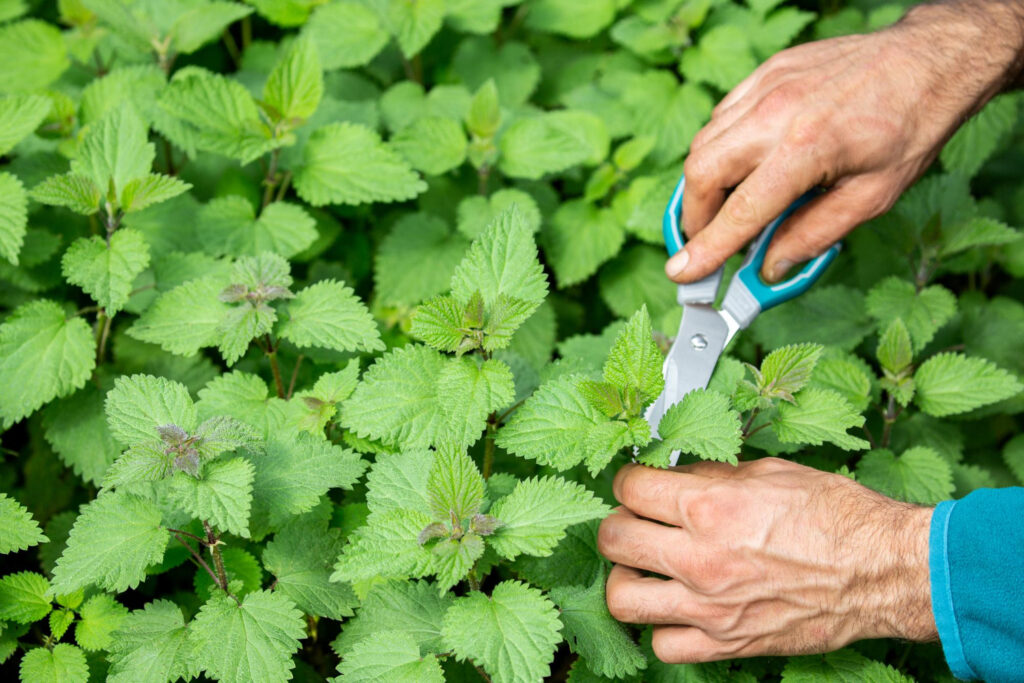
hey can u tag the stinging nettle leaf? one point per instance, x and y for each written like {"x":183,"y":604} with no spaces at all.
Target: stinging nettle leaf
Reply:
{"x":895,"y":352}
{"x":346,"y":34}
{"x":19,"y":116}
{"x":819,"y":415}
{"x":922,"y":312}
{"x":919,"y":475}
{"x":138,"y":405}
{"x":13,"y":216}
{"x":951,"y":383}
{"x":106,"y":270}
{"x":389,"y":656}
{"x":101,"y":616}
{"x":63,"y":664}
{"x":703,"y":424}
{"x":152,"y":645}
{"x":634,"y":362}
{"x":294,"y":88}
{"x":222,"y":495}
{"x":327,"y":314}
{"x":18,"y":530}
{"x":455,"y":486}
{"x":552,"y":142}
{"x":24,"y":597}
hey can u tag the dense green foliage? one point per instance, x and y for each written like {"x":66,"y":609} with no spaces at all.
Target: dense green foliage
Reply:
{"x":324,"y":325}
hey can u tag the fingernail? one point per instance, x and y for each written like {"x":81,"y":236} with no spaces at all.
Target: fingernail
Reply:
{"x":780,"y":269}
{"x":677,"y":264}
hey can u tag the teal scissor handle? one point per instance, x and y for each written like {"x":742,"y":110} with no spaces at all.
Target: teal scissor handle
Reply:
{"x":748,"y":294}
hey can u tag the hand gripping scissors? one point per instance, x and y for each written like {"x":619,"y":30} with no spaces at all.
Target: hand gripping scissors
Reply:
{"x":705,"y":331}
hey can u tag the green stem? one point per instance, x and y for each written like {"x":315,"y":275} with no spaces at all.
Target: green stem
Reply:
{"x":483,"y":173}
{"x":489,"y":447}
{"x":102,"y":334}
{"x":270,"y":181}
{"x":889,"y":416}
{"x":246,"y":33}
{"x":286,"y":181}
{"x":196,"y":556}
{"x":474,"y":582}
{"x":232,"y":48}
{"x":213,"y":543}
{"x":295,"y":374}
{"x":186,"y":533}
{"x":750,"y":421}
{"x":274,"y":367}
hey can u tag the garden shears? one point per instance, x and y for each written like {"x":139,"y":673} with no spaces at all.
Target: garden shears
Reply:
{"x":704,"y":330}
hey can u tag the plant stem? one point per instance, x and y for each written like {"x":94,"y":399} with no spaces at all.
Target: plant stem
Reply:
{"x":890,"y":417}
{"x":756,"y":430}
{"x":489,"y":447}
{"x":169,"y":158}
{"x":246,"y":33}
{"x":483,"y":173}
{"x":750,"y":421}
{"x":512,"y":409}
{"x":232,"y":48}
{"x":270,"y":181}
{"x":213,"y":543}
{"x":474,"y":582}
{"x":295,"y":374}
{"x":482,"y":673}
{"x":102,"y":334}
{"x":286,"y":181}
{"x":274,"y":367}
{"x":196,"y":556}
{"x":186,"y":533}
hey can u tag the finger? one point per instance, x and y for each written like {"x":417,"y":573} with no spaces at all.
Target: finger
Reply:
{"x":818,"y":225}
{"x":765,"y":194}
{"x":688,"y":645}
{"x":706,"y":468}
{"x":655,"y":493}
{"x":637,"y":599}
{"x":626,"y":539}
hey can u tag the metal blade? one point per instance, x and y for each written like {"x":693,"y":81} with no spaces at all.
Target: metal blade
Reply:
{"x":703,"y":334}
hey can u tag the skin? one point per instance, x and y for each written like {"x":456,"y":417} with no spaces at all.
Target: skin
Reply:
{"x":862,"y":115}
{"x":770,"y":557}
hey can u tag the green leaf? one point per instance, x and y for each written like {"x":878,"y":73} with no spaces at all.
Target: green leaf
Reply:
{"x":229,"y":226}
{"x":390,"y":656}
{"x":484,"y":116}
{"x":241,"y":569}
{"x":432,"y":144}
{"x":579,"y":238}
{"x":895,"y":352}
{"x":388,"y":548}
{"x":575,"y":560}
{"x":920,"y":475}
{"x":205,"y":23}
{"x":658,"y":106}
{"x":75,"y":192}
{"x":552,"y":426}
{"x":346,"y":34}
{"x":569,"y":18}
{"x":152,"y":646}
{"x":114,"y":151}
{"x":634,"y":362}
{"x":950,"y":383}
{"x":101,"y":615}
{"x":976,"y":232}
{"x":115,"y":538}
{"x":455,"y":486}
{"x":397,"y":401}
{"x":819,"y":415}
{"x":787,"y":370}
{"x":139,"y":404}
{"x":399,"y":482}
{"x":18,"y":530}
{"x":251,"y":641}
{"x":150,"y":189}
{"x":455,"y":557}
{"x":840,"y":666}
{"x":703,"y":424}
{"x":327,"y":314}
{"x":440,"y":324}
{"x":300,"y":557}
{"x":537,"y":512}
{"x":475,"y":213}
{"x":512,"y":633}
{"x":296,"y":84}
{"x":722,"y":58}
{"x":24,"y":597}
{"x":1013,"y":455}
{"x":186,"y":318}
{"x":922,"y":312}
{"x":472,"y":391}
{"x":512,"y":65}
{"x":416,"y":260}
{"x":413,"y":608}
{"x":13,"y":216}
{"x":838,"y":313}
{"x":106,"y":270}
{"x":222,"y":496}
{"x":34,"y":53}
{"x":975,"y":141}
{"x":593,"y":633}
{"x":43,"y":356}
{"x":63,"y":664}
{"x":60,"y":620}
{"x":413,"y":23}
{"x":19,"y":116}
{"x":346,"y":163}
{"x":637,"y":278}
{"x":552,"y":142}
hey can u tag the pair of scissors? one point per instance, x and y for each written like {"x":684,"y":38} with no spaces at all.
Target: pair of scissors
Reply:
{"x":704,"y":330}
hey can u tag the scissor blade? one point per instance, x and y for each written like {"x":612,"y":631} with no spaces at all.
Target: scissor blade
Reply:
{"x":703,"y":334}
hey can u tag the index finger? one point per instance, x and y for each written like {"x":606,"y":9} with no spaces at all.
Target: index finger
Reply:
{"x":657,"y":494}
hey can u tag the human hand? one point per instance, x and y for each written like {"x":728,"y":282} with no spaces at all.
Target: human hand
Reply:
{"x":765,"y":558}
{"x":863,"y":115}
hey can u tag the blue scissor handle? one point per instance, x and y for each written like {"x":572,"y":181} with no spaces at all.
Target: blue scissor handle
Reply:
{"x":748,"y":295}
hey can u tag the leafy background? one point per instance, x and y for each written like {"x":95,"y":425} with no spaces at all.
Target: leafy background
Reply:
{"x":289,"y":391}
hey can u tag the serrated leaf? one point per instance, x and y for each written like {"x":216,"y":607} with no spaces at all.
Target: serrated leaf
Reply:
{"x":579,"y":238}
{"x":512,"y":65}
{"x":950,"y":383}
{"x":389,"y":656}
{"x":512,"y":633}
{"x":787,"y":370}
{"x":152,"y":646}
{"x":432,"y":144}
{"x":139,"y":404}
{"x":240,"y":325}
{"x":142,"y":462}
{"x":387,"y":548}
{"x":919,"y":475}
{"x":327,"y":314}
{"x":475,"y":213}
{"x":537,"y":512}
{"x":703,"y":424}
{"x":24,"y":597}
{"x":722,"y":58}
{"x":251,"y":641}
{"x":843,"y":666}
{"x":838,"y":312}
{"x":895,"y":352}
{"x":114,"y":151}
{"x":569,"y":18}
{"x":18,"y":530}
{"x":846,"y":374}
{"x":295,"y":85}
{"x":397,"y":401}
{"x":101,"y":615}
{"x":150,"y":189}
{"x":399,"y":482}
{"x":35,"y":54}
{"x":980,"y":231}
{"x":439,"y":323}
{"x":455,"y":557}
{"x":416,"y":260}
{"x":242,"y":570}
{"x":43,"y":356}
{"x":202,"y":24}
{"x":75,"y":192}
{"x":635,"y":279}
{"x":300,"y":557}
{"x":346,"y":163}
{"x":13,"y":216}
{"x":106,"y":270}
{"x":60,"y":621}
{"x":115,"y":538}
{"x":19,"y":116}
{"x":658,"y":106}
{"x":413,"y":608}
{"x":413,"y":23}
{"x":186,"y":318}
{"x":471,"y":391}
{"x":922,"y":312}
{"x":976,"y":140}
{"x":552,"y":142}
{"x":222,"y":496}
{"x":63,"y":664}
{"x":346,"y":34}
{"x":634,"y":362}
{"x":455,"y":486}
{"x":819,"y":415}
{"x":594,"y":634}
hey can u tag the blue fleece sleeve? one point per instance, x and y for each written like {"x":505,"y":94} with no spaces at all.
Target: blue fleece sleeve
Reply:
{"x":976,"y":562}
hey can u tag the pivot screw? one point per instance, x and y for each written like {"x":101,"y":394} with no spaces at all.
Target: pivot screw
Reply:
{"x":699,"y":342}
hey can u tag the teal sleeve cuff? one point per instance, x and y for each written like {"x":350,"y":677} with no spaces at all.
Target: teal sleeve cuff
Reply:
{"x":942,"y":592}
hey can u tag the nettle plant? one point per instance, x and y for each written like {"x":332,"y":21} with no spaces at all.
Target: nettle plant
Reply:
{"x":325,"y":324}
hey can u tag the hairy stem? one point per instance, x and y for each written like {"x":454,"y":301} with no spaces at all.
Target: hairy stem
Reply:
{"x":246,"y":33}
{"x":102,"y":334}
{"x":750,"y":421}
{"x":501,"y":418}
{"x":483,"y":674}
{"x":213,"y":543}
{"x":489,"y":446}
{"x":474,"y":582}
{"x":271,"y":179}
{"x":195,"y":556}
{"x":286,"y":181}
{"x":186,"y":533}
{"x":295,"y":374}
{"x":271,"y":352}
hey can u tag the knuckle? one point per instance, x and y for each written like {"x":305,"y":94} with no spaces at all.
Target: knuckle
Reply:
{"x":699,"y":169}
{"x":701,"y":512}
{"x":664,"y":649}
{"x":741,"y":209}
{"x":619,"y":604}
{"x":805,"y":131}
{"x":769,"y":465}
{"x":775,"y":101}
{"x":607,"y":536}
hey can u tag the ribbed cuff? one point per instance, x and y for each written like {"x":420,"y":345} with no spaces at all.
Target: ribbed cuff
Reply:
{"x":942,"y":593}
